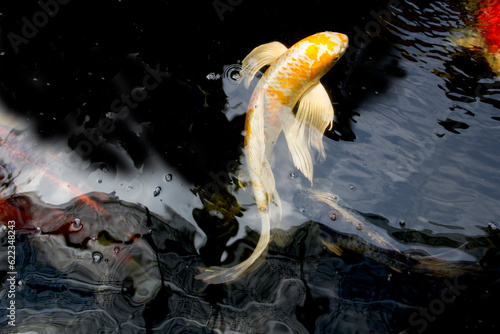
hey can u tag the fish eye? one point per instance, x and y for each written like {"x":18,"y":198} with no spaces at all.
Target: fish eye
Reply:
{"x":336,"y":58}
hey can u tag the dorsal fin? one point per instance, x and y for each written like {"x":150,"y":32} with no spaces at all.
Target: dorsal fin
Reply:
{"x":261,"y":56}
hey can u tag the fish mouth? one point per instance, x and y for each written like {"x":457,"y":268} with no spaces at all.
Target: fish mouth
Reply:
{"x":344,"y":45}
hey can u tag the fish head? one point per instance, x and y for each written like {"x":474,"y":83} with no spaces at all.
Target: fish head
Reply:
{"x":324,"y":49}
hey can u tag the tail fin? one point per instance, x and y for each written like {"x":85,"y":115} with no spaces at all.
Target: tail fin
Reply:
{"x":218,"y":275}
{"x":441,"y":268}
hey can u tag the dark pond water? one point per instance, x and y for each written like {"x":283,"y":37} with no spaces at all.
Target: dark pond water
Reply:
{"x":120,"y":142}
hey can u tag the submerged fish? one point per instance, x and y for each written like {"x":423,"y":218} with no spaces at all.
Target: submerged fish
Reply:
{"x":292,"y":80}
{"x":75,"y":237}
{"x":364,"y":238}
{"x":30,"y":164}
{"x":488,"y":20}
{"x":485,"y":36}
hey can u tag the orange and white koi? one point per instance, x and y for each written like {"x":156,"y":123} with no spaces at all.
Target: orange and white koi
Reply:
{"x":292,"y":80}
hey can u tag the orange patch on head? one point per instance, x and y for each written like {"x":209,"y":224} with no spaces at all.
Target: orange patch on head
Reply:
{"x":325,"y":59}
{"x":342,"y":37}
{"x":322,"y":38}
{"x":312,"y":51}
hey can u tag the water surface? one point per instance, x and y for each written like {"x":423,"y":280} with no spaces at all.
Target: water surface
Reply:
{"x":414,"y":151}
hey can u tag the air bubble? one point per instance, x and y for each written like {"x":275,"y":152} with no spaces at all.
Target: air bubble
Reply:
{"x":99,"y":180}
{"x":402,"y":223}
{"x":168,"y":177}
{"x":96,"y":257}
{"x":213,"y":76}
{"x":292,"y":175}
{"x":76,"y":225}
{"x":232,"y":73}
{"x":116,"y":249}
{"x":493,"y":226}
{"x":157,"y":191}
{"x":236,"y":76}
{"x":333,"y":216}
{"x":351,"y":187}
{"x":359,"y":227}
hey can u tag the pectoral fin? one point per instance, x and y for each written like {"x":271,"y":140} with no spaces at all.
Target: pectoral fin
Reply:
{"x":261,"y":56}
{"x":315,"y":109}
{"x":297,"y":144}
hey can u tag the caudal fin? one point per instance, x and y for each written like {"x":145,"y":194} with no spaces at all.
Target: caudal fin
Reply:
{"x":218,"y":275}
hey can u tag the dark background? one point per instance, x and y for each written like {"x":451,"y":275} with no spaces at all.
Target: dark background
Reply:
{"x":65,"y":78}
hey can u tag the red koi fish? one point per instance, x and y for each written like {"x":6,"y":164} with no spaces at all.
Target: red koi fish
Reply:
{"x":485,"y":36}
{"x":489,"y":24}
{"x":25,"y":158}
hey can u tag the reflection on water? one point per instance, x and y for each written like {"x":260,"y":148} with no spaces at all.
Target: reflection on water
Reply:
{"x":128,"y":270}
{"x":413,"y":153}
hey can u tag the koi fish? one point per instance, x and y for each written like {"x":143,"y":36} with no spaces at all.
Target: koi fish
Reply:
{"x":485,"y":37}
{"x":16,"y":150}
{"x":71,"y":239}
{"x":489,"y":24}
{"x":292,"y":80}
{"x":377,"y":247}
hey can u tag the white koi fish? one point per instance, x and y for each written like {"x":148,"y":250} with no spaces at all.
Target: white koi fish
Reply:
{"x":292,"y":80}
